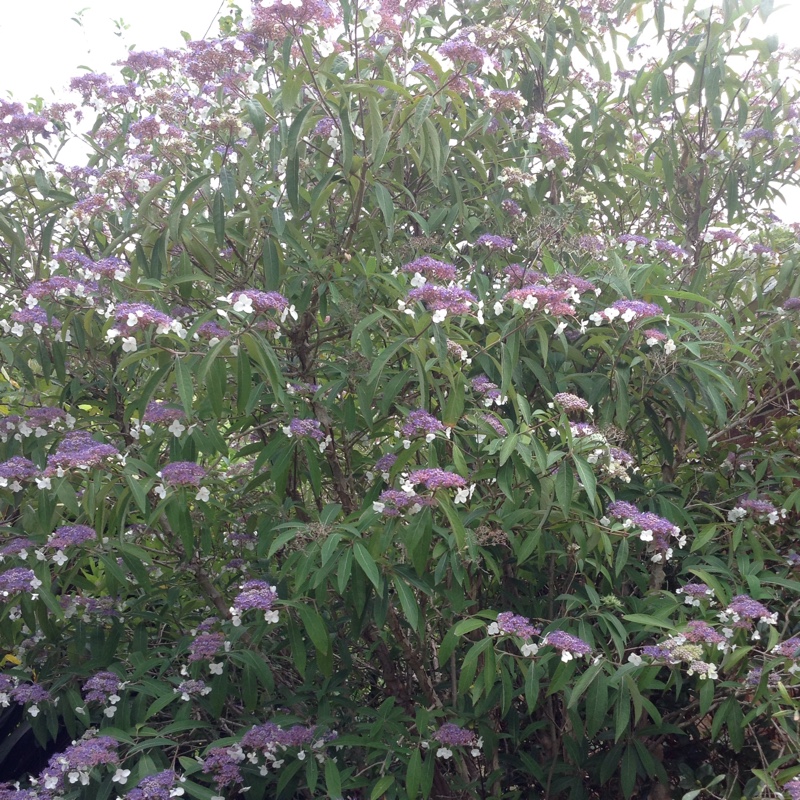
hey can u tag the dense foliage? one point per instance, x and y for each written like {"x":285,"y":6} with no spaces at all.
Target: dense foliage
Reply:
{"x":400,"y":401}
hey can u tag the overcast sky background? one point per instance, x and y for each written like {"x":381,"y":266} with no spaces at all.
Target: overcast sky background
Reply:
{"x":41,"y":47}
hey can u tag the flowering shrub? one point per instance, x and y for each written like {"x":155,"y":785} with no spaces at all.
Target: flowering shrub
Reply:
{"x":400,"y":401}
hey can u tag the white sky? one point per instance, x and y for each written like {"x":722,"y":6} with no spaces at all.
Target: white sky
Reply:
{"x":41,"y":47}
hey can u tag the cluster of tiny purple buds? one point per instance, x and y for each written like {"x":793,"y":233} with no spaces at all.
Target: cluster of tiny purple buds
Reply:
{"x":494,"y":424}
{"x":71,"y":535}
{"x":431,"y":269}
{"x":182,"y":473}
{"x":490,"y":391}
{"x":254,"y":301}
{"x":256,"y":595}
{"x":77,"y":761}
{"x":30,"y":693}
{"x":158,"y":412}
{"x":223,"y":763}
{"x":16,"y":547}
{"x":511,"y":208}
{"x":139,"y":316}
{"x":155,"y":787}
{"x":519,"y":276}
{"x":192,"y":688}
{"x":325,"y":127}
{"x":654,"y":529}
{"x":101,"y":686}
{"x":550,"y":300}
{"x":434,"y":478}
{"x":17,"y":469}
{"x":421,"y":423}
{"x":792,"y":788}
{"x":694,"y":593}
{"x":58,"y":287}
{"x":385,"y":462}
{"x":514,"y":625}
{"x":569,"y":645}
{"x":791,"y":304}
{"x":788,"y":649}
{"x":670,"y":248}
{"x":627,"y":310}
{"x":631,"y":240}
{"x":758,"y":135}
{"x":452,"y":735}
{"x":584,"y":429}
{"x":78,"y":450}
{"x":571,"y":403}
{"x":304,"y":427}
{"x":442,"y":299}
{"x":17,"y":580}
{"x":699,"y":632}
{"x":37,"y":318}
{"x":392,"y":502}
{"x":210,"y":330}
{"x":756,"y":506}
{"x":492,"y":242}
{"x":742,"y":610}
{"x":205,"y":646}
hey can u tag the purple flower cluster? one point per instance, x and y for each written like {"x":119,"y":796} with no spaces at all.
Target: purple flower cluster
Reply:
{"x":139,"y":316}
{"x":71,"y":535}
{"x":421,"y":423}
{"x":17,"y":580}
{"x":490,"y":391}
{"x":629,"y":311}
{"x":511,"y":208}
{"x":275,"y":19}
{"x":160,"y":413}
{"x":100,"y":687}
{"x":654,"y":529}
{"x":788,"y":649}
{"x":449,"y":299}
{"x":492,"y":242}
{"x":253,"y":301}
{"x":210,"y":330}
{"x":304,"y":427}
{"x":514,"y":625}
{"x":205,"y":646}
{"x":791,"y":304}
{"x":392,"y":502}
{"x":255,"y":594}
{"x":462,"y":48}
{"x":549,"y":299}
{"x":494,"y":424}
{"x":569,"y":645}
{"x":670,"y":248}
{"x":192,"y":688}
{"x":758,"y":135}
{"x":30,"y":693}
{"x":385,"y":462}
{"x":77,"y":761}
{"x":452,"y":735}
{"x":15,"y":547}
{"x":571,"y":403}
{"x":431,"y":269}
{"x":792,"y":788}
{"x":182,"y":473}
{"x":17,"y":469}
{"x":269,"y":736}
{"x":433,"y":479}
{"x":743,"y":610}
{"x":78,"y":450}
{"x":37,"y":318}
{"x":699,"y":632}
{"x":58,"y":287}
{"x":631,"y":240}
{"x":757,"y":507}
{"x":695,"y":592}
{"x":155,"y":787}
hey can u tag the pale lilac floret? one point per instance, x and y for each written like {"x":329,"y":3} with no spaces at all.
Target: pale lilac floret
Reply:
{"x":182,"y":473}
{"x":101,"y":686}
{"x":155,"y":787}
{"x":569,"y":645}
{"x":17,"y":580}
{"x":431,"y":269}
{"x":492,"y":242}
{"x":788,"y":649}
{"x":71,"y":535}
{"x":433,"y":479}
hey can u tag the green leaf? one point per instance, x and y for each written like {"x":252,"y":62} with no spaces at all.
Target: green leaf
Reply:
{"x":386,"y":206}
{"x":183,"y":383}
{"x":315,"y":628}
{"x":333,"y":780}
{"x":407,"y":601}
{"x":218,"y":217}
{"x":381,"y":787}
{"x":587,"y":478}
{"x":367,"y":563}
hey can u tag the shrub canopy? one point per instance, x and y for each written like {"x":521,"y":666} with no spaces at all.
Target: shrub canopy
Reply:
{"x":400,"y":401}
